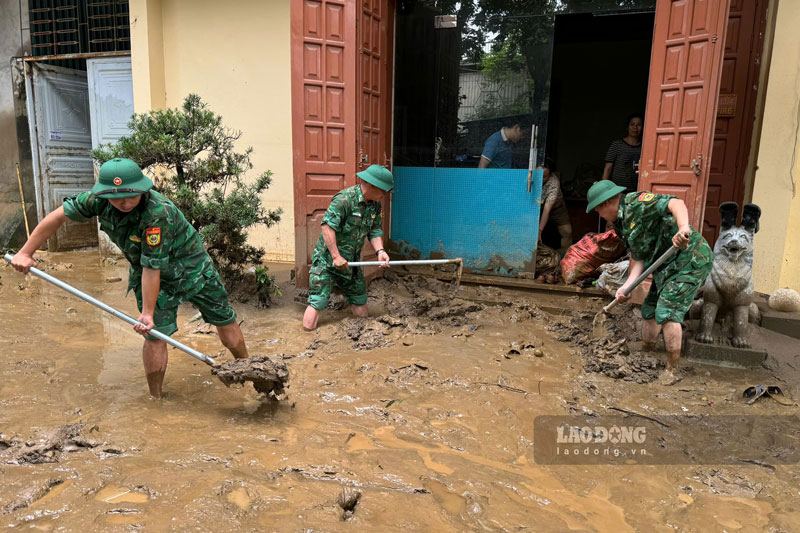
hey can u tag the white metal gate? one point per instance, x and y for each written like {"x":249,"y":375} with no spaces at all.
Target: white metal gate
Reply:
{"x":61,"y":140}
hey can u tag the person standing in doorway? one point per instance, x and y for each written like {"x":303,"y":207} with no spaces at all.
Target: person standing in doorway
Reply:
{"x":497,"y":150}
{"x":553,"y":207}
{"x":622,"y":158}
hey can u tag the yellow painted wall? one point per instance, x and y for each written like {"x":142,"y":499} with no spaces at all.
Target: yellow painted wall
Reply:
{"x":236,"y":56}
{"x":775,"y":187}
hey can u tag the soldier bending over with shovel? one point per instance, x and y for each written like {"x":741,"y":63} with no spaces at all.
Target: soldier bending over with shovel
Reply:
{"x":650,"y":224}
{"x":168,"y":263}
{"x":354,"y":215}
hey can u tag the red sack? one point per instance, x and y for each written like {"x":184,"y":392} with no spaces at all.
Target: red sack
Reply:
{"x":585,"y":256}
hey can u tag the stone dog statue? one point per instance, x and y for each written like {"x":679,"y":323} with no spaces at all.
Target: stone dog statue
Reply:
{"x":729,"y":287}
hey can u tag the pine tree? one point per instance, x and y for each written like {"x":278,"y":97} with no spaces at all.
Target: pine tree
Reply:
{"x":191,"y":157}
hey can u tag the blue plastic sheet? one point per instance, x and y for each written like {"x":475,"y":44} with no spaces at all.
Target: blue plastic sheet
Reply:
{"x":485,"y":216}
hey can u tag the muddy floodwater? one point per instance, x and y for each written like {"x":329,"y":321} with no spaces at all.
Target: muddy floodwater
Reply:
{"x":418,"y":419}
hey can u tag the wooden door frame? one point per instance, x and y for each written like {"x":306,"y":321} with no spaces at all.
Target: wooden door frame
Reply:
{"x":297,"y":45}
{"x":754,"y":142}
{"x":705,"y":132}
{"x":306,"y":199}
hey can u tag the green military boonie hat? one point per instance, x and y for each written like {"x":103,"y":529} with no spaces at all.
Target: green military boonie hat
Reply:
{"x":378,"y":176}
{"x":121,"y":178}
{"x":601,"y":191}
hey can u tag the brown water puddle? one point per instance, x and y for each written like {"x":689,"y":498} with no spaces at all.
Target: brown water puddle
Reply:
{"x":435,"y":428}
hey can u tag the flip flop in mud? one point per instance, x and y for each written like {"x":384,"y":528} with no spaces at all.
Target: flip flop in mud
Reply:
{"x":776,"y":394}
{"x":754,"y":393}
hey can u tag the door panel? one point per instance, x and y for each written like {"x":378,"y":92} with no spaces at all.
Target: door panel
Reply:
{"x":111,"y":106}
{"x":736,"y":109}
{"x":682,"y":95}
{"x":323,"y":47}
{"x":111,"y":98}
{"x":61,"y":103}
{"x":375,"y":36}
{"x":341,"y":107}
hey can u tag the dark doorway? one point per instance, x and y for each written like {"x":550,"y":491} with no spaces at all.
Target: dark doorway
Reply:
{"x":601,"y":64}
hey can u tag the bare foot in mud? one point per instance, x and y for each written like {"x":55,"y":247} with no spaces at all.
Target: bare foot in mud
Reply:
{"x":668,"y":378}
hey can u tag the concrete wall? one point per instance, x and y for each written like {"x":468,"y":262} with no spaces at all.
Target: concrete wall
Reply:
{"x":236,"y":56}
{"x":13,"y":36}
{"x":775,"y":187}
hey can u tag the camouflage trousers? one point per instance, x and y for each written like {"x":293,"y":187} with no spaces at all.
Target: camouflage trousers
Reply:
{"x":211,"y":300}
{"x":322,"y":279}
{"x":676,"y":284}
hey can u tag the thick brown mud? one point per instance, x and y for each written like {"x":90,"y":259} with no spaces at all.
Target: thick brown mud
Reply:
{"x":417,"y":418}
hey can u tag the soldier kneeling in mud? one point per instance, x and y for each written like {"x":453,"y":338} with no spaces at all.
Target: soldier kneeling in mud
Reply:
{"x":650,"y":224}
{"x":168,"y":263}
{"x":354,"y":215}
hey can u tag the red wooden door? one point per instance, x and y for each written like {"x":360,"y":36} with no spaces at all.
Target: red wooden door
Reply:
{"x":374,"y":115}
{"x":324,"y":95}
{"x":736,"y":109}
{"x":685,"y":68}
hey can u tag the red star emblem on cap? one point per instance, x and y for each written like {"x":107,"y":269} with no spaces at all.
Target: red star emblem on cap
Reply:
{"x":117,"y":181}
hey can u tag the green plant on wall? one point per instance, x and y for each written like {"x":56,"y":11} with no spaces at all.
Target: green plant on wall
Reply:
{"x":193,"y":161}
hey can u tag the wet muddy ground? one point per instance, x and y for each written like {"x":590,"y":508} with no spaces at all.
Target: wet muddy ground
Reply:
{"x":419,"y":418}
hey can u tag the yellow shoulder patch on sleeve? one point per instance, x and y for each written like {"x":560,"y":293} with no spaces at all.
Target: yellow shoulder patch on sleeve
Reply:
{"x":646,"y":197}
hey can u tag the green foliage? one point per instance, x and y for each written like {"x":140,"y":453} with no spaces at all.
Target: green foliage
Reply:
{"x":193,"y":161}
{"x":266,"y":287}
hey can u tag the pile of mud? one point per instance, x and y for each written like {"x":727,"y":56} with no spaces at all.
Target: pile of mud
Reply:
{"x":415,"y":305}
{"x":611,"y":355}
{"x":269,"y":375}
{"x":51,"y":446}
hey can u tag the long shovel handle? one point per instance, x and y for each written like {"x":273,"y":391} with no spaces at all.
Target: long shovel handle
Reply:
{"x":643,"y":276}
{"x":119,"y":314}
{"x":404,"y":262}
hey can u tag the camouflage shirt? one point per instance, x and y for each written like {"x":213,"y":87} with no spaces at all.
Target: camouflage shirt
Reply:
{"x":647,"y":226}
{"x":353,"y":219}
{"x":153,"y":235}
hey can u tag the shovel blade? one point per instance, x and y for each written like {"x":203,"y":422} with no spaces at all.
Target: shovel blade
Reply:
{"x":600,"y":325}
{"x":268,"y":375}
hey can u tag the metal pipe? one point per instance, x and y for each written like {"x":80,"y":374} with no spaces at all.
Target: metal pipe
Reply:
{"x":108,"y":309}
{"x":404,"y":262}
{"x":24,"y":209}
{"x":82,"y":55}
{"x":531,"y":157}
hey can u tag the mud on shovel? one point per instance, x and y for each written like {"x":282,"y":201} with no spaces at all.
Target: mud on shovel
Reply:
{"x":599,"y":323}
{"x":268,"y":376}
{"x":456,"y":279}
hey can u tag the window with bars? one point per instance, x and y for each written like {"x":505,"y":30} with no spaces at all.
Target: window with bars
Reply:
{"x":78,"y":26}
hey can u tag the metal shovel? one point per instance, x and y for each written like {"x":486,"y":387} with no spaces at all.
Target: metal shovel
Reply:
{"x":266,"y":375}
{"x":600,"y":319}
{"x":458,"y":261}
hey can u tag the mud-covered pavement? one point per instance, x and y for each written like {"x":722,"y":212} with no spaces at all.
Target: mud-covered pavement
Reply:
{"x":426,"y":410}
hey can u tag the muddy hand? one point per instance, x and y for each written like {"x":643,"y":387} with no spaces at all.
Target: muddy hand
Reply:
{"x":681,"y":239}
{"x":23,"y":262}
{"x":145,"y":325}
{"x":383,"y":257}
{"x":621,"y":296}
{"x":340,"y":263}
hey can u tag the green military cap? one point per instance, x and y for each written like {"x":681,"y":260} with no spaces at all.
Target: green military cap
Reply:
{"x":600,"y":192}
{"x":378,"y":176}
{"x":121,"y":178}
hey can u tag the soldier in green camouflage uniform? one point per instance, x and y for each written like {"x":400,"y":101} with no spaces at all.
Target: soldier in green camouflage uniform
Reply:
{"x":168,"y":263}
{"x":353,"y":216}
{"x":650,"y":224}
{"x":647,"y":227}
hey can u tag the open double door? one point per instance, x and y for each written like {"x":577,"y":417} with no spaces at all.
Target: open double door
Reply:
{"x":70,"y":112}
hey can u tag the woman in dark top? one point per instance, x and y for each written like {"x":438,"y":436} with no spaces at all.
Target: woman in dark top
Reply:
{"x":622,"y":159}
